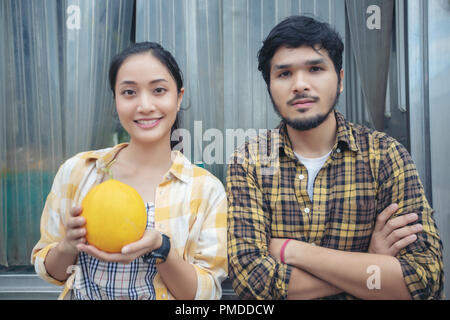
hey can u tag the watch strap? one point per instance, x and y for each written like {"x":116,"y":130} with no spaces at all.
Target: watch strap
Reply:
{"x":160,"y":254}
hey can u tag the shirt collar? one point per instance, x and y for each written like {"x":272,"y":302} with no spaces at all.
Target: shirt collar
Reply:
{"x":344,"y":136}
{"x":181,"y":167}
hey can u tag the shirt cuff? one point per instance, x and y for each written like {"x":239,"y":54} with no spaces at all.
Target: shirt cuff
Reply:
{"x":39,"y":266}
{"x":208,"y":287}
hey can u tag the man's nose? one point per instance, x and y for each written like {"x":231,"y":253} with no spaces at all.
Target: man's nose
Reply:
{"x":300,"y":83}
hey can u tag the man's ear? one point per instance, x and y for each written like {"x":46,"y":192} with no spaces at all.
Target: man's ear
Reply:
{"x":341,"y":85}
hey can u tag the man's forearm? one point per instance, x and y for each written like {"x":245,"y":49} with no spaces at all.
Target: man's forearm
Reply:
{"x":305,"y":286}
{"x":350,"y":270}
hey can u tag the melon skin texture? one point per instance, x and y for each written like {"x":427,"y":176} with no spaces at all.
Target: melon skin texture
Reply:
{"x":115,"y":216}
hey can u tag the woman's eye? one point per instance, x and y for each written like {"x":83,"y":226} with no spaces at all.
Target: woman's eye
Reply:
{"x":127,"y":92}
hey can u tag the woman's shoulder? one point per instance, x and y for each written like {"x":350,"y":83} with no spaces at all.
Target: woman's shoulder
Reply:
{"x":204,"y":176}
{"x":199,"y":177}
{"x":87,"y":159}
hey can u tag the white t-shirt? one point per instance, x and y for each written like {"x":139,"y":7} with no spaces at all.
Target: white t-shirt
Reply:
{"x":313,"y":165}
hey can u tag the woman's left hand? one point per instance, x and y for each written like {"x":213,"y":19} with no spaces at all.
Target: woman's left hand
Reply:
{"x":150,"y":241}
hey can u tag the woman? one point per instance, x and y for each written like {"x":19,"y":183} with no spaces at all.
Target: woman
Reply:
{"x":182,"y":254}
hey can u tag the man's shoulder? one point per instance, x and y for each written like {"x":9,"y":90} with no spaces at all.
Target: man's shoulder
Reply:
{"x":371,"y":140}
{"x":259,"y":148}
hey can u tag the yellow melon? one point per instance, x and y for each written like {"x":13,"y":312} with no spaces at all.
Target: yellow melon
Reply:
{"x":115,"y":215}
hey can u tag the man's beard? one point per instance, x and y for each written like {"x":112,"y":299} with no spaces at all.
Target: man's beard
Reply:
{"x":309,"y":123}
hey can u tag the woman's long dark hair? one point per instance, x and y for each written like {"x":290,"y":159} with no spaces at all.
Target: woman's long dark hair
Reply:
{"x":164,"y":56}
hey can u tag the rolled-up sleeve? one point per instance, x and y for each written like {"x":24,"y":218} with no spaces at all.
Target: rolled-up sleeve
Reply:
{"x":52,"y":228}
{"x":254,"y":273}
{"x":210,"y":257}
{"x":421,"y":261}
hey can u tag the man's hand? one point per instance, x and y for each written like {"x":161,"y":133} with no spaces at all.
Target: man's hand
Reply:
{"x":150,"y":241}
{"x":390,"y":236}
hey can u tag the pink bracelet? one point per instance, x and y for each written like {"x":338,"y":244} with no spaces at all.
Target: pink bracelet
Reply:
{"x":283,"y":247}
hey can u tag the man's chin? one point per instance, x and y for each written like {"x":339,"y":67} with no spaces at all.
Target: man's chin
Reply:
{"x":306,"y":123}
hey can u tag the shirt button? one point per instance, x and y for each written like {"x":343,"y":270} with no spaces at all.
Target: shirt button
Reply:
{"x":306,"y":210}
{"x":163,"y":295}
{"x":301,"y":177}
{"x":338,"y":150}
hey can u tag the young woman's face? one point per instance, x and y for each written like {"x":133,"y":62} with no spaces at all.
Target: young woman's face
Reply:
{"x":147,"y":98}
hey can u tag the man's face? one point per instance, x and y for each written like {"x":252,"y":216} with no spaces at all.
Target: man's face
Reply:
{"x":304,"y":86}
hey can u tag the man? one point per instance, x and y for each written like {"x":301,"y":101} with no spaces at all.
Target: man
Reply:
{"x":343,"y":214}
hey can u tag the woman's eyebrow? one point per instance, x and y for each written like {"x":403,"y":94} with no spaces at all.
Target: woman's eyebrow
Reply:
{"x":151,"y":82}
{"x":158,"y":80}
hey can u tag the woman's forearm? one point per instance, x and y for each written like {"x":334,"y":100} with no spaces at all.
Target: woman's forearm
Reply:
{"x":179,"y":276}
{"x":57,"y":261}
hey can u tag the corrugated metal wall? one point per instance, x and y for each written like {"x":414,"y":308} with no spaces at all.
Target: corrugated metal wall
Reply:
{"x":55,"y":101}
{"x":429,"y":96}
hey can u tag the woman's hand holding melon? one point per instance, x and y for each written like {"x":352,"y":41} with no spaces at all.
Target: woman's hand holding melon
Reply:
{"x":150,"y":241}
{"x":75,"y":232}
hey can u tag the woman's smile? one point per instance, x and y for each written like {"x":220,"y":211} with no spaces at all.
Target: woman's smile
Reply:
{"x":148,"y":123}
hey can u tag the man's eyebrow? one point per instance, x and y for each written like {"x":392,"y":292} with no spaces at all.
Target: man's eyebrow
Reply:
{"x":312,"y":62}
{"x":281,"y":66}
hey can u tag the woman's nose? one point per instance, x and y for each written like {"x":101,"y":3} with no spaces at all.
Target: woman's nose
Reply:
{"x":146,"y":104}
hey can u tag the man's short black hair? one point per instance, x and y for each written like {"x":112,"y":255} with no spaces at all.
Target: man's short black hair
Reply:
{"x":297,"y":31}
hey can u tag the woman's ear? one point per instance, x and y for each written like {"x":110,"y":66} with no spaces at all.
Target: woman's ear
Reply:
{"x":180,"y":98}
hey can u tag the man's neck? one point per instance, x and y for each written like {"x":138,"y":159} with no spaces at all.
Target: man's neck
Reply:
{"x":316,"y":142}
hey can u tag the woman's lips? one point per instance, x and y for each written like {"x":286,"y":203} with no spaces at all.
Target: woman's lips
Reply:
{"x":147,"y":123}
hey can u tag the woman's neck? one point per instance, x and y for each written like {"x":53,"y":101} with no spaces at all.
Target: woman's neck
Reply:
{"x":143,"y":157}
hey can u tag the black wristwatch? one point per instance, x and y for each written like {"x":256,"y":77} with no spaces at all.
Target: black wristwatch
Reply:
{"x":159,"y":254}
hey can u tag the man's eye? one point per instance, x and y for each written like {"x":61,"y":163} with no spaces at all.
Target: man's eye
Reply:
{"x":315,"y":69}
{"x":160,"y":90}
{"x":284,"y":74}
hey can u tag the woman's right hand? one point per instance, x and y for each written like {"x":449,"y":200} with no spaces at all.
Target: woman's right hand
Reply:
{"x":75,"y":231}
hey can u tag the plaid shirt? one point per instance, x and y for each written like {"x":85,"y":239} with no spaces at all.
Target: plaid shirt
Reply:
{"x":366,"y":171}
{"x":190,"y":207}
{"x":101,"y":280}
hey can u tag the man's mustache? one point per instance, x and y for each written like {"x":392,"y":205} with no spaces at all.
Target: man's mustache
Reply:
{"x":302,"y":96}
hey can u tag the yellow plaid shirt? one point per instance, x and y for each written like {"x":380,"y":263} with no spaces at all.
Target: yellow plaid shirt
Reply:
{"x":190,"y":207}
{"x":366,"y":171}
